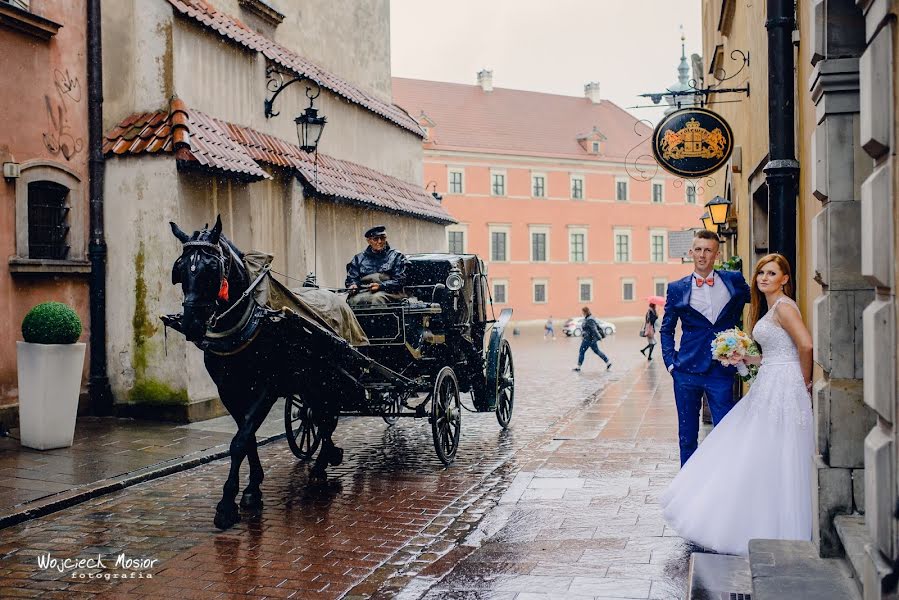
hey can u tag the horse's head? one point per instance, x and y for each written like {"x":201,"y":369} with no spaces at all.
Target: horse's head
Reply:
{"x":201,"y":272}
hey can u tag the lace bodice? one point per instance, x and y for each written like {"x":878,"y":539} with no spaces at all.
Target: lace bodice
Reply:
{"x":777,"y":345}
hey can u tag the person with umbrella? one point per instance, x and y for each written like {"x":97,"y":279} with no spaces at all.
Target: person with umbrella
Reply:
{"x":649,"y":326}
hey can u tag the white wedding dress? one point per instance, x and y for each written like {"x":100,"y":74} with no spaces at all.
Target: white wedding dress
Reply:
{"x":752,"y":475}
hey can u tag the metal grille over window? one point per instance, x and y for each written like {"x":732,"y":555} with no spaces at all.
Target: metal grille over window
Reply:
{"x":48,"y":214}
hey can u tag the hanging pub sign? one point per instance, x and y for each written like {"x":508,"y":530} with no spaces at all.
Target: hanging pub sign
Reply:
{"x":692,"y":142}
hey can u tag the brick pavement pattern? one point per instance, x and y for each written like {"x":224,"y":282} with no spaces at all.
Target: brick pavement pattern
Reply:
{"x":561,"y":505}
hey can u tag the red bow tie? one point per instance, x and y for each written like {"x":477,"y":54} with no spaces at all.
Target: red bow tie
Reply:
{"x":700,"y":281}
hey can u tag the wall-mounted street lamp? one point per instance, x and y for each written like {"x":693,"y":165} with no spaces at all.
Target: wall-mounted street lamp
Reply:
{"x":708,"y":223}
{"x":719,"y":214}
{"x":433,"y":184}
{"x":309,"y":124}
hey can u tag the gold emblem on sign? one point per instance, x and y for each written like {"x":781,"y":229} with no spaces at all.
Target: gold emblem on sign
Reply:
{"x":693,"y":141}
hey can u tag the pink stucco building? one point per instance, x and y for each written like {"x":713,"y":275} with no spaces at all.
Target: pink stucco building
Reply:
{"x":540,"y":190}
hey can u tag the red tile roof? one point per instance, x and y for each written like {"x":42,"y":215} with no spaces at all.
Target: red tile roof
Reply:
{"x":200,"y":140}
{"x":518,"y":122}
{"x":232,"y":29}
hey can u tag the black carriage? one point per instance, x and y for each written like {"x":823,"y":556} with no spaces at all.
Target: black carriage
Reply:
{"x":439,"y":342}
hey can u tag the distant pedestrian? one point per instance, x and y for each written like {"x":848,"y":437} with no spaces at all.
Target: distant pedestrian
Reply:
{"x":649,"y":331}
{"x":592,"y":334}
{"x":548,"y":329}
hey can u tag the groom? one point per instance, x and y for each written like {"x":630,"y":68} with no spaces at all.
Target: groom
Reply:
{"x":705,"y":303}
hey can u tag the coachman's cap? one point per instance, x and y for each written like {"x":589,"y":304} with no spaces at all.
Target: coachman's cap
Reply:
{"x":376,"y":230}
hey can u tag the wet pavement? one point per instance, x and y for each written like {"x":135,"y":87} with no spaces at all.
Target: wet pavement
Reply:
{"x":562,"y":505}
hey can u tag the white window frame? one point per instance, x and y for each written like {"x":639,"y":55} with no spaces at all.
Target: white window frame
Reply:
{"x":690,"y":186}
{"x":545,"y":181}
{"x":627,"y":189}
{"x":532,"y":229}
{"x":493,"y":284}
{"x":655,"y":284}
{"x":505,"y":182}
{"x":584,"y":281}
{"x":633,"y":282}
{"x":664,"y":235}
{"x":579,"y":177}
{"x":595,"y":147}
{"x":458,"y":228}
{"x":578,"y":230}
{"x":630,"y":245}
{"x":449,"y":174}
{"x":657,"y":182}
{"x":499,"y":229}
{"x":545,"y":284}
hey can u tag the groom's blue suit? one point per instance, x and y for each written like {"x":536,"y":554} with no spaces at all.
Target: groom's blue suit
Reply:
{"x":691,"y":365}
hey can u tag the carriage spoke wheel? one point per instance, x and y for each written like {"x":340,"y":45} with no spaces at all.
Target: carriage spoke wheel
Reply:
{"x":302,"y":431}
{"x":505,"y":389}
{"x":395,"y":407}
{"x":446,"y":415}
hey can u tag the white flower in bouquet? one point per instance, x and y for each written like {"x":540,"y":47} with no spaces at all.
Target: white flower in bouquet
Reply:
{"x":731,"y":346}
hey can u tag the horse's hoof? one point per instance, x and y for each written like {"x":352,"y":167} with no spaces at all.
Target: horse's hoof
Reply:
{"x":335,"y":457}
{"x":226,"y":517}
{"x":251,"y":501}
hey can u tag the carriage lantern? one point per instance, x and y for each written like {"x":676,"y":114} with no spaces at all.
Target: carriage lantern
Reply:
{"x":454,"y":281}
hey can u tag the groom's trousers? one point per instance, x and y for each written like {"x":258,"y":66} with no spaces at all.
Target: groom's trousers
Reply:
{"x":688,"y":390}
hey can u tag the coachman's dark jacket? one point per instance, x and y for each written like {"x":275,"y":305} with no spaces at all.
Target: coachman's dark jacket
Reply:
{"x":390,"y":262}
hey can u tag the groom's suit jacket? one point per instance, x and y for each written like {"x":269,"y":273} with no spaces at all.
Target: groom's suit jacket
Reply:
{"x":697,"y":333}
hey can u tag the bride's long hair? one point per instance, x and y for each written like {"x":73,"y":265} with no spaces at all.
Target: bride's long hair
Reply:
{"x":758,"y":306}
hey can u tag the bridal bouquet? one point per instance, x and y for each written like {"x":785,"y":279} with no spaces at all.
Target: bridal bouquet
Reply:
{"x":731,"y":346}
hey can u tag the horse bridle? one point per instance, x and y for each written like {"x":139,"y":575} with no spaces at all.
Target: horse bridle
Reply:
{"x":215,"y":251}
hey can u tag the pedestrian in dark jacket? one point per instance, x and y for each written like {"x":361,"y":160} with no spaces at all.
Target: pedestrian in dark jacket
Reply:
{"x":649,"y":331}
{"x":592,"y":334}
{"x":376,"y":275}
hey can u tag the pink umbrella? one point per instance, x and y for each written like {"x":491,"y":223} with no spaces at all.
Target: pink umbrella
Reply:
{"x":657,"y":300}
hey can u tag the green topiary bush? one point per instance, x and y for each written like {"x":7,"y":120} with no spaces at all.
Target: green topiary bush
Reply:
{"x":51,"y":323}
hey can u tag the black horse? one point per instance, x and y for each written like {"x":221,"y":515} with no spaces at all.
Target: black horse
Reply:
{"x":249,"y":358}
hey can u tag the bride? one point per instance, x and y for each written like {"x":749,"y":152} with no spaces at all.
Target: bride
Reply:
{"x":752,"y":475}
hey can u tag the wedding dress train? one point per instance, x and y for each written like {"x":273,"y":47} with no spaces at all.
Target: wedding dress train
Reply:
{"x":752,"y":475}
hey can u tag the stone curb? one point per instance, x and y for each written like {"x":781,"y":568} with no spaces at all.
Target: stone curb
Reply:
{"x":63,"y":500}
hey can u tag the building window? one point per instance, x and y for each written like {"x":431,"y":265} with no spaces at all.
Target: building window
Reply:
{"x":627,"y":289}
{"x":595,"y":147}
{"x":500,"y":291}
{"x":23,"y":4}
{"x":621,"y":190}
{"x":499,"y":241}
{"x":455,"y":242}
{"x":48,"y":223}
{"x":455,"y":182}
{"x":540,"y":292}
{"x":622,"y":246}
{"x":585,"y":290}
{"x":498,"y":184}
{"x":657,"y":247}
{"x":657,"y":190}
{"x":538,"y":246}
{"x":577,"y":246}
{"x":691,"y":194}
{"x":577,"y":188}
{"x":661,"y":287}
{"x":538,"y":184}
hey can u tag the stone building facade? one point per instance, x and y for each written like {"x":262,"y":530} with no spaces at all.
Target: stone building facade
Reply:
{"x":185,"y":83}
{"x":43,"y":149}
{"x":846,"y":107}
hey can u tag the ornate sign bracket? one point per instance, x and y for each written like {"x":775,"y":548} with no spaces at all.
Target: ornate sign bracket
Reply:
{"x":701,"y":94}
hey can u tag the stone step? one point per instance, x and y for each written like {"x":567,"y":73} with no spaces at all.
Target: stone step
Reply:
{"x":792,"y":569}
{"x":718,"y":577}
{"x":854,"y":535}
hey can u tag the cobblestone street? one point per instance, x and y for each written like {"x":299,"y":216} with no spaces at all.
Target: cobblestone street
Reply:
{"x":559,"y":506}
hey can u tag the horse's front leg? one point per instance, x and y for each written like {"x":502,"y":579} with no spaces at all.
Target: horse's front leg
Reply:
{"x":252,"y":494}
{"x":242,"y":445}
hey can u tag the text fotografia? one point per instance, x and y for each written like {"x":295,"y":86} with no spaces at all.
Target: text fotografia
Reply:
{"x":97,"y":568}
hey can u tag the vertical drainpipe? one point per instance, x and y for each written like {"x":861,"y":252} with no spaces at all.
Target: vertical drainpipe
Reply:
{"x":782,"y":170}
{"x":98,"y":384}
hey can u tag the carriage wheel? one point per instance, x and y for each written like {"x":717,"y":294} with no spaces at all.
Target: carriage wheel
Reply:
{"x":302,"y":431}
{"x":446,"y":415}
{"x":505,"y":392}
{"x":395,"y":406}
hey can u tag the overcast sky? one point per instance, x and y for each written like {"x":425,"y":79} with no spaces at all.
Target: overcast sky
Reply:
{"x":629,"y":46}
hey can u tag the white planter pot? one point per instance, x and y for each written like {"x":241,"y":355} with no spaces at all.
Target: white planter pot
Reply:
{"x":49,"y":384}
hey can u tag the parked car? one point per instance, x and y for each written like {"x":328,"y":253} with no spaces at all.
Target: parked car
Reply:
{"x":573,"y":327}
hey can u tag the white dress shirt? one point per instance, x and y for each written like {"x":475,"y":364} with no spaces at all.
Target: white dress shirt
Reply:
{"x":709,"y":300}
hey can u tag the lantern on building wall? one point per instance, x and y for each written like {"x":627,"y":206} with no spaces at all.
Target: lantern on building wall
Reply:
{"x":718,"y":209}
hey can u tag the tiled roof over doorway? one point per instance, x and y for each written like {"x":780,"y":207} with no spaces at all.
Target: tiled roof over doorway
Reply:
{"x":234,"y":30}
{"x":199,"y":140}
